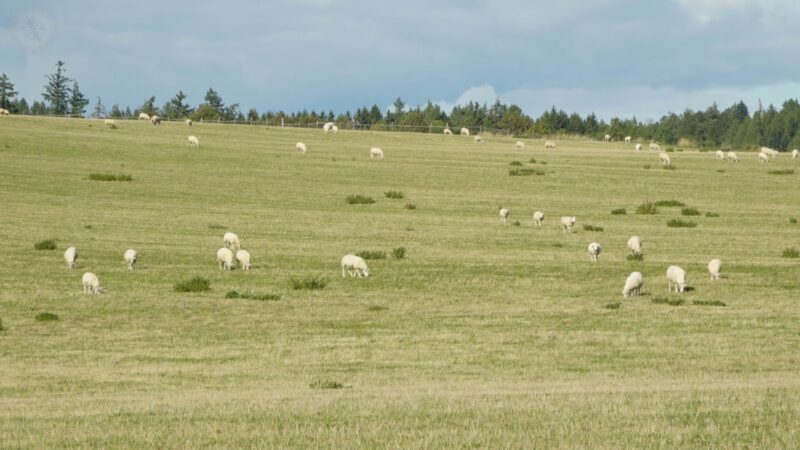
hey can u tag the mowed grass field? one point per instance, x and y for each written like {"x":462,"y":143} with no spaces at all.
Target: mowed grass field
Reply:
{"x":485,"y":335}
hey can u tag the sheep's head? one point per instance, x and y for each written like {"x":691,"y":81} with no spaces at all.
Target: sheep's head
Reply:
{"x":366,"y":272}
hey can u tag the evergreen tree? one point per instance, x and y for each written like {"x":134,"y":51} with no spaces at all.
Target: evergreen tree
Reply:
{"x":99,"y":110}
{"x":56,"y":91}
{"x":213,"y":100}
{"x":7,"y":92}
{"x":21,"y":106}
{"x":77,"y":102}
{"x":176,"y":108}
{"x":149,"y":106}
{"x":39,"y":108}
{"x":115,"y":111}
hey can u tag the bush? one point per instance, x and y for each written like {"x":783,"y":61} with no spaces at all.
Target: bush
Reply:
{"x":590,"y":227}
{"x":647,"y":208}
{"x":669,"y":167}
{"x":792,"y":220}
{"x":376,"y":308}
{"x":399,"y":253}
{"x":110,"y":177}
{"x":668,"y":203}
{"x":524,"y":172}
{"x":781,"y":172}
{"x":532,"y":160}
{"x":515,"y":163}
{"x":394,"y":194}
{"x":635,"y":257}
{"x":690,"y":211}
{"x":613,"y":305}
{"x":359,"y":199}
{"x":619,"y":212}
{"x":708,"y":303}
{"x":214,"y":226}
{"x":712,"y":214}
{"x":49,"y":244}
{"x":678,"y":223}
{"x":669,"y":150}
{"x":411,"y":206}
{"x":253,"y":296}
{"x":1,"y":325}
{"x":46,"y":317}
{"x":668,"y":301}
{"x":196,"y":284}
{"x":309,"y":283}
{"x":721,"y":170}
{"x":558,"y":245}
{"x":372,"y":254}
{"x":791,"y":252}
{"x":646,"y":166}
{"x":516,"y":223}
{"x":325,"y":384}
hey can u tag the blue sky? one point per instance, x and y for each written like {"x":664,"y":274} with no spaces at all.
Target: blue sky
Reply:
{"x":611,"y":57}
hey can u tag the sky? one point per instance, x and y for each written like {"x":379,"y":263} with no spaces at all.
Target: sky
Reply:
{"x":612,"y":57}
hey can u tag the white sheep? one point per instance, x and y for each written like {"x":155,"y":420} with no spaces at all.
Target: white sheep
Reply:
{"x":91,"y":284}
{"x":676,"y":276}
{"x":189,"y":122}
{"x":731,"y":156}
{"x":70,"y":256}
{"x":538,"y":217}
{"x":663,"y":158}
{"x":4,"y":112}
{"x":448,"y":132}
{"x":520,"y":145}
{"x":327,"y":127}
{"x":225,"y":258}
{"x":713,"y":268}
{"x":131,"y":256}
{"x":635,"y":244}
{"x":465,"y":132}
{"x":655,"y":147}
{"x":638,"y":147}
{"x":550,"y":144}
{"x":355,"y":266}
{"x":335,"y":129}
{"x":594,"y":249}
{"x":720,"y":154}
{"x":478,"y":138}
{"x":503,"y":214}
{"x":763,"y":157}
{"x":375,"y":152}
{"x":231,"y":240}
{"x":244,"y":259}
{"x":300,"y":148}
{"x":110,"y":123}
{"x":144,"y":116}
{"x":627,"y":139}
{"x":155,"y":120}
{"x":567,"y":223}
{"x":192,"y":141}
{"x":794,"y":154}
{"x":607,"y":138}
{"x":770,"y":152}
{"x":633,"y":284}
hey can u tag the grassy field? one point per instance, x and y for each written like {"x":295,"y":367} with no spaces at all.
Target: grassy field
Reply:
{"x":484,"y":335}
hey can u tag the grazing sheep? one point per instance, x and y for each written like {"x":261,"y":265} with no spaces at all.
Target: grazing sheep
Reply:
{"x":731,"y":156}
{"x":91,"y":284}
{"x":192,"y":141}
{"x":520,"y":145}
{"x":770,"y":152}
{"x":355,"y":266}
{"x":189,"y":122}
{"x":635,"y":244}
{"x":638,"y":147}
{"x":155,"y":120}
{"x":633,"y":284}
{"x":225,"y":258}
{"x":243,"y":258}
{"x":327,"y":127}
{"x":627,"y":139}
{"x":335,"y":129}
{"x":719,"y":155}
{"x":567,"y":223}
{"x":300,"y":148}
{"x":375,"y":152}
{"x":794,"y":154}
{"x":70,"y":256}
{"x":713,"y":268}
{"x":448,"y":132}
{"x":607,"y":138}
{"x":131,"y":256}
{"x":538,"y":217}
{"x":231,"y":240}
{"x":478,"y":139}
{"x":663,"y":158}
{"x":550,"y":144}
{"x":144,"y":116}
{"x":655,"y":147}
{"x":676,"y":276}
{"x":763,"y":157}
{"x":465,"y":132}
{"x":594,"y":250}
{"x":503,"y":214}
{"x":110,"y":123}
{"x":4,"y":112}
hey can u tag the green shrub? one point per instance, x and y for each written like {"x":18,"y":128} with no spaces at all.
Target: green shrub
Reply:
{"x":1,"y":325}
{"x":708,"y":303}
{"x":613,"y":305}
{"x":253,"y":296}
{"x":372,"y":254}
{"x":411,"y":206}
{"x":669,"y":150}
{"x":669,"y":167}
{"x":515,"y":163}
{"x":792,"y":220}
{"x":690,"y":211}
{"x":196,"y":284}
{"x":394,"y":194}
{"x":356,"y":199}
{"x":49,"y":244}
{"x":679,"y":223}
{"x":619,"y":212}
{"x":399,"y":253}
{"x":325,"y":384}
{"x":646,"y":166}
{"x":46,"y":317}
{"x":791,"y":252}
{"x":215,"y":227}
{"x":532,"y":161}
{"x":781,"y":172}
{"x":647,"y":208}
{"x":590,"y":227}
{"x":110,"y":177}
{"x":721,"y":170}
{"x":712,"y":214}
{"x":667,"y":301}
{"x":524,"y":172}
{"x":516,"y":223}
{"x":376,"y":308}
{"x":309,"y":283}
{"x":635,"y":257}
{"x":668,"y":203}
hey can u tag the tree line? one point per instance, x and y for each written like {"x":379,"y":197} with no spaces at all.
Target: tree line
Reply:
{"x":733,"y":127}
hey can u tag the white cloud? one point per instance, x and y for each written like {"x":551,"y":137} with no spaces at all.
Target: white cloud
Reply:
{"x":768,"y":12}
{"x":481,"y":94}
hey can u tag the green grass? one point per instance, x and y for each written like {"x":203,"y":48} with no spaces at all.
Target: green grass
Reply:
{"x":397,"y":195}
{"x":690,"y":211}
{"x":619,"y":212}
{"x":647,"y":208}
{"x":791,"y":252}
{"x":516,"y":163}
{"x":358,"y":199}
{"x":372,"y":254}
{"x":399,"y":252}
{"x":494,"y":337}
{"x":708,"y":303}
{"x":47,"y":317}
{"x":310,"y":283}
{"x":524,"y":172}
{"x":614,"y":305}
{"x":711,"y":214}
{"x":325,"y":384}
{"x":590,"y":227}
{"x":792,"y":220}
{"x":253,"y":296}
{"x":781,"y":172}
{"x":196,"y":284}
{"x":680,"y":223}
{"x":110,"y":177}
{"x":635,"y":257}
{"x":668,"y":301}
{"x":47,"y":244}
{"x":669,"y":203}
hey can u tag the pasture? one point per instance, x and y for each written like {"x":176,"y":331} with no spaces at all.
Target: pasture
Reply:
{"x":484,"y":335}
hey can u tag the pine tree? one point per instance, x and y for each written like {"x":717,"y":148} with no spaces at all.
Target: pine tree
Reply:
{"x":77,"y":101}
{"x":213,"y":100}
{"x":177,"y":109}
{"x":115,"y":111}
{"x":21,"y":106}
{"x":7,"y":92}
{"x":56,"y":91}
{"x":149,"y":106}
{"x":99,"y":109}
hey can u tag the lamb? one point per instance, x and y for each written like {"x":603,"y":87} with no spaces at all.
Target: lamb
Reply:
{"x":144,"y":116}
{"x":731,"y":156}
{"x":594,"y":250}
{"x":607,"y":138}
{"x":448,"y":132}
{"x":664,"y":159}
{"x":376,"y":152}
{"x":131,"y":256}
{"x":155,"y":120}
{"x":770,"y":152}
{"x":627,"y":139}
{"x":567,"y":223}
{"x":503,"y":214}
{"x":655,"y":147}
{"x":300,"y":148}
{"x":633,"y":284}
{"x":763,"y":157}
{"x":70,"y":256}
{"x":676,"y":276}
{"x":478,"y":139}
{"x":335,"y":129}
{"x":713,"y":268}
{"x":327,"y":127}
{"x":189,"y":122}
{"x":225,"y":258}
{"x":635,"y":244}
{"x":465,"y":132}
{"x":231,"y":240}
{"x":244,"y":259}
{"x":638,"y":147}
{"x":550,"y":144}
{"x":4,"y":112}
{"x":91,"y":284}
{"x":355,"y":266}
{"x":520,"y":145}
{"x":538,"y":217}
{"x":794,"y":154}
{"x":720,"y":154}
{"x":110,"y":123}
{"x":192,"y":141}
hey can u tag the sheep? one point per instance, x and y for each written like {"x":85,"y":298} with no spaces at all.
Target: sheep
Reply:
{"x":189,"y":122}
{"x":327,"y":127}
{"x":110,"y":123}
{"x":713,"y":268}
{"x":355,"y":266}
{"x":676,"y":276}
{"x":225,"y":258}
{"x":464,"y":132}
{"x":633,"y":284}
{"x":770,"y":152}
{"x":244,"y":259}
{"x":538,"y":217}
{"x":607,"y":138}
{"x":70,"y":256}
{"x":663,"y":158}
{"x":91,"y":284}
{"x":638,"y":147}
{"x":376,"y":152}
{"x":567,"y":223}
{"x":627,"y":139}
{"x":448,"y":132}
{"x":478,"y":139}
{"x":794,"y":154}
{"x":503,"y":214}
{"x":731,"y":156}
{"x":550,"y":144}
{"x":4,"y":112}
{"x":719,"y":155}
{"x":635,"y":244}
{"x":335,"y":129}
{"x":192,"y":141}
{"x":655,"y":147}
{"x":231,"y":240}
{"x":763,"y":157}
{"x":155,"y":120}
{"x":300,"y":148}
{"x":131,"y":256}
{"x":594,"y":249}
{"x":520,"y":145}
{"x":144,"y":116}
